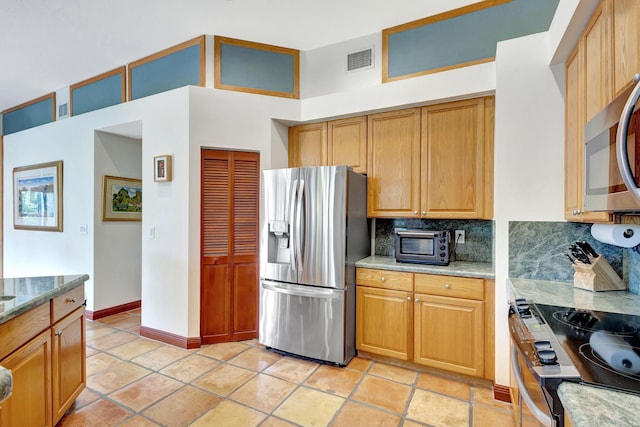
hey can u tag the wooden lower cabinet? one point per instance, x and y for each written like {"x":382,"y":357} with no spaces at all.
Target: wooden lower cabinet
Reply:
{"x":449,"y":334}
{"x":439,"y":321}
{"x":384,"y":322}
{"x":30,"y":401}
{"x":68,"y":362}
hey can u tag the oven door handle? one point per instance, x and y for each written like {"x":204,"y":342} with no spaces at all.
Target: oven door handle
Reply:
{"x":542,"y":417}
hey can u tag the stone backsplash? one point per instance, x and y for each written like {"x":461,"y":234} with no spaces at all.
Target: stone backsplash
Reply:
{"x":478,"y":246}
{"x":536,"y":251}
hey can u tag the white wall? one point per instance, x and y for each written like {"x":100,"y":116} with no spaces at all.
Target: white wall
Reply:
{"x":529,"y":157}
{"x":117,"y":245}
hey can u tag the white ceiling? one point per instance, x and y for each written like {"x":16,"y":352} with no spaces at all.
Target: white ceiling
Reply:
{"x":47,"y":45}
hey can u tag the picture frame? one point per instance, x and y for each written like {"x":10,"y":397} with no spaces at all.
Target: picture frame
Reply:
{"x":121,"y":199}
{"x":162,"y":168}
{"x":37,"y":197}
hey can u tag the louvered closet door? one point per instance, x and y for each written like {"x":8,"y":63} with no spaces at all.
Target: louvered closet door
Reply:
{"x":230,"y":209}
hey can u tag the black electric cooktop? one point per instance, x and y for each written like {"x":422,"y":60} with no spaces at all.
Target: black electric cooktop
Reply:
{"x":604,"y":347}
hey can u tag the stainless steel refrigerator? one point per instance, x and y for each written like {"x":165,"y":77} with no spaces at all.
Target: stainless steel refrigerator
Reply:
{"x":313,"y":230}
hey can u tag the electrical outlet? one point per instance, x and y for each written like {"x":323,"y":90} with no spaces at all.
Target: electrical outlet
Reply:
{"x":459,"y":237}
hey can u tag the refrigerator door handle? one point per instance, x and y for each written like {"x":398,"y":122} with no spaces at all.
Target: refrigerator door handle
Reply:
{"x":297,"y":291}
{"x":299,"y":227}
{"x":292,"y":229}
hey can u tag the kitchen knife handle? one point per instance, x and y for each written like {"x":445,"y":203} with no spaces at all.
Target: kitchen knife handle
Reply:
{"x":588,"y":248}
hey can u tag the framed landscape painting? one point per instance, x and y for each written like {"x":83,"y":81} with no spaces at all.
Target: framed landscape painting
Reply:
{"x":121,"y":199}
{"x":37,"y":197}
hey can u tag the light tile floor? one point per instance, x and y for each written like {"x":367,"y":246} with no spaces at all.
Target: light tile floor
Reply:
{"x":134,"y":381}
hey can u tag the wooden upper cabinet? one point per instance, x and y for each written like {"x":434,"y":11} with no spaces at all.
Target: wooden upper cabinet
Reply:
{"x":393,"y":164}
{"x":573,"y":142}
{"x":626,"y":42}
{"x":453,"y":158}
{"x":347,"y":143}
{"x":597,"y":61}
{"x":308,"y":145}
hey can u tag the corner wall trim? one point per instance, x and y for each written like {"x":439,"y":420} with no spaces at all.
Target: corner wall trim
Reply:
{"x":99,"y":314}
{"x":169,"y":338}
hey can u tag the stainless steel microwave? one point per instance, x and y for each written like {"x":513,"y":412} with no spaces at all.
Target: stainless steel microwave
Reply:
{"x":612,"y":155}
{"x":422,"y":246}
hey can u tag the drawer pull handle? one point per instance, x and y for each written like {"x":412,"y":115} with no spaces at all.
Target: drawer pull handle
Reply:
{"x":71,"y":300}
{"x":447,"y":286}
{"x":382,"y":278}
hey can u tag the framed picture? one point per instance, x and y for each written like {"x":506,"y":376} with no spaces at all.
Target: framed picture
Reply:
{"x":37,"y":197}
{"x":162,"y":168}
{"x":121,"y":199}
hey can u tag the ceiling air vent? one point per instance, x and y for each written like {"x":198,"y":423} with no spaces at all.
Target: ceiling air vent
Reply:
{"x":360,"y":60}
{"x":63,"y":110}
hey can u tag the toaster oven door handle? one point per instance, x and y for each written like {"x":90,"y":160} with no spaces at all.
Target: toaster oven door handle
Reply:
{"x":621,"y":141}
{"x":540,"y":415}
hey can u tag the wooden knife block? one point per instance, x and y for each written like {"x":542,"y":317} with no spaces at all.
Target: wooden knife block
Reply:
{"x":597,"y":276}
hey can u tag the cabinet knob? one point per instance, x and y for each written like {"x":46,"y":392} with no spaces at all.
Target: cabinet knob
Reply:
{"x":71,"y":300}
{"x":408,"y":298}
{"x":577,"y":212}
{"x":59,"y":333}
{"x":447,"y":286}
{"x":415,"y":212}
{"x":382,"y":279}
{"x":424,"y":212}
{"x":417,"y":300}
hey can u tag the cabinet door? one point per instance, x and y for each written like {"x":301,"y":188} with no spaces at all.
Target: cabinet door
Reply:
{"x":574,"y":142}
{"x":308,"y":145}
{"x":347,"y":143}
{"x":449,"y":334}
{"x":453,"y":156}
{"x":384,"y":322}
{"x":30,"y":401}
{"x":626,"y":43}
{"x":69,"y":361}
{"x":597,"y":61}
{"x":393,"y":164}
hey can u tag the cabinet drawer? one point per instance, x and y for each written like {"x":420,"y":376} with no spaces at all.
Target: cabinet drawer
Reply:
{"x":66,"y":303}
{"x":17,"y":331}
{"x":450,"y":286}
{"x":385,"y":279}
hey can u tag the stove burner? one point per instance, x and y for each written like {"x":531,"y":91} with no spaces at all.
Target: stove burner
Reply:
{"x":584,"y":322}
{"x":591,"y":355}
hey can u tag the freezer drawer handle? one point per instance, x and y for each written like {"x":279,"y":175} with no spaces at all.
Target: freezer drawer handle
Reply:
{"x":315,"y":293}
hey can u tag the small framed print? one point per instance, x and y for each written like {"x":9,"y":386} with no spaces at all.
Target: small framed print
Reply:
{"x":37,"y":197}
{"x":162,"y":168}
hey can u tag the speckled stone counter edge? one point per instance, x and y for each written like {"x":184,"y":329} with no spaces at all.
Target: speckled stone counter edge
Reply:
{"x":6,"y":383}
{"x":479,"y":270}
{"x":72,"y":282}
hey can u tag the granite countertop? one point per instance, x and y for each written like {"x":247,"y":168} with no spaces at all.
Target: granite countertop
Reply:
{"x":22,"y":294}
{"x":586,"y":406}
{"x":6,"y":384}
{"x":565,"y":295}
{"x":481,"y":270}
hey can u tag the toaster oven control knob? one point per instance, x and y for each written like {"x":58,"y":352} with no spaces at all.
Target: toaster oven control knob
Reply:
{"x":547,"y":357}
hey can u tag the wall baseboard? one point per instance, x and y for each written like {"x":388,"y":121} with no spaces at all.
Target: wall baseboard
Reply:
{"x":169,"y":338}
{"x":502,"y":393}
{"x":110,"y":311}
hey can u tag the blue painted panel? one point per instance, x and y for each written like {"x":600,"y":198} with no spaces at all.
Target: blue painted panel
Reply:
{"x":257,"y":69}
{"x":175,"y":70}
{"x":99,"y":94}
{"x":1,"y":126}
{"x":27,"y":117}
{"x":466,"y":38}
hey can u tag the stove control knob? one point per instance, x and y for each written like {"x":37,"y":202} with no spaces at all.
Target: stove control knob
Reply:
{"x":542,"y":345}
{"x":547,"y":357}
